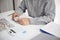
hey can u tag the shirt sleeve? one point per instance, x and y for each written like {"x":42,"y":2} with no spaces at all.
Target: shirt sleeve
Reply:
{"x":49,"y":14}
{"x":22,"y":7}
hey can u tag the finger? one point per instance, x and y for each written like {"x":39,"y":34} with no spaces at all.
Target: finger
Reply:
{"x":14,"y":15}
{"x":25,"y":22}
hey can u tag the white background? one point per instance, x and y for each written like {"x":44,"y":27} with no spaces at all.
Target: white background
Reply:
{"x":57,"y":18}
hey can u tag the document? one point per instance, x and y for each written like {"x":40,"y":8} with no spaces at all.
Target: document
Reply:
{"x":52,"y":28}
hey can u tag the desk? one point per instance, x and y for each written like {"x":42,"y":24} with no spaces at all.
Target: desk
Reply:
{"x":22,"y":32}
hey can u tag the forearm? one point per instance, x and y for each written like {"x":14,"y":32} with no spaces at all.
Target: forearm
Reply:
{"x":22,"y":8}
{"x":41,"y":20}
{"x":19,"y":11}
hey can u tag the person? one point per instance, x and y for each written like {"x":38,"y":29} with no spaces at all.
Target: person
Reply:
{"x":41,"y":11}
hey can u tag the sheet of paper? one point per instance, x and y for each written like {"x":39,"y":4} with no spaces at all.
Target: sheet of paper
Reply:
{"x":22,"y":32}
{"x":4,"y":24}
{"x":52,"y":28}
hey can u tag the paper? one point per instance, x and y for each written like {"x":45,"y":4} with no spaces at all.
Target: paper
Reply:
{"x":4,"y":24}
{"x":52,"y":28}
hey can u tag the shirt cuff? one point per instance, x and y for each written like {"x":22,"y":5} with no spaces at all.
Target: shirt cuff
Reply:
{"x":19,"y":11}
{"x":36,"y":22}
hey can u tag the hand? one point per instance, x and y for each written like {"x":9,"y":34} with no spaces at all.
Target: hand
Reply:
{"x":15,"y":15}
{"x":24,"y":21}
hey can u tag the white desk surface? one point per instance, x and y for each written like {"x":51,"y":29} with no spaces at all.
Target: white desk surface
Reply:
{"x":30,"y":30}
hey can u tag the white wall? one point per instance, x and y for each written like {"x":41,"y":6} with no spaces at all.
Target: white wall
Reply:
{"x":6,"y":5}
{"x":0,"y":5}
{"x":57,"y":18}
{"x":0,"y":9}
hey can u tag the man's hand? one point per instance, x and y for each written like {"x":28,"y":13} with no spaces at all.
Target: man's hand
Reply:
{"x":24,"y":21}
{"x":15,"y":15}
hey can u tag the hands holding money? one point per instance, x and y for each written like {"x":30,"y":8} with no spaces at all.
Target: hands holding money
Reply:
{"x":22,"y":21}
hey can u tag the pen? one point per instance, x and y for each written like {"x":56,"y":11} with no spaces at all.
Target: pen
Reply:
{"x":9,"y":14}
{"x":12,"y":30}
